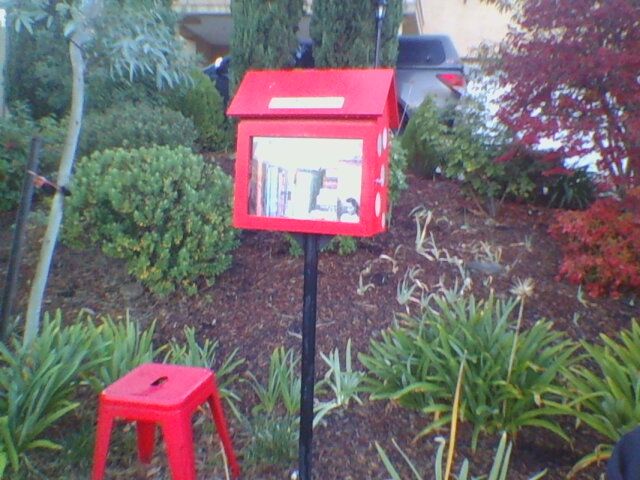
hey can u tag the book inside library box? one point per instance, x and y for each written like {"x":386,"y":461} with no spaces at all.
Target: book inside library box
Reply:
{"x":306,"y":178}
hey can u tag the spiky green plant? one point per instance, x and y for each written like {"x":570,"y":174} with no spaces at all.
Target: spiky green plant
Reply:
{"x":344,"y":383}
{"x":499,"y":467}
{"x":37,"y":386}
{"x":608,"y":396}
{"x":124,"y":345}
{"x":205,"y":355}
{"x":415,"y":363}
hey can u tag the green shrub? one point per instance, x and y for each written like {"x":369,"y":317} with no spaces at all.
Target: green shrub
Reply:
{"x":38,"y":383}
{"x":342,"y":244}
{"x":416,"y":364}
{"x":606,"y":386}
{"x":425,"y":139}
{"x":468,"y":150}
{"x":135,"y":125}
{"x":16,"y":131}
{"x":15,"y":136}
{"x":574,"y":190}
{"x":165,"y":211}
{"x":398,"y":162}
{"x":203,"y":104}
{"x":476,"y":155}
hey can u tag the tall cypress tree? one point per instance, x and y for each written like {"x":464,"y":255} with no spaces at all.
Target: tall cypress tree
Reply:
{"x":344,"y":32}
{"x":264,"y":35}
{"x":390,"y":28}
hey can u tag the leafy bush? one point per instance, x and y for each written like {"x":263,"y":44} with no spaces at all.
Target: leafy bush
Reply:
{"x":477,"y":145}
{"x":573,"y":190}
{"x":135,"y":125}
{"x":416,"y":364}
{"x":16,"y":132}
{"x":15,"y":136}
{"x":608,"y":398}
{"x":342,"y":244}
{"x":37,"y":69}
{"x":165,"y":211}
{"x":203,"y":104}
{"x":425,"y":139}
{"x":398,"y":162}
{"x":601,"y":245}
{"x":466,"y":150}
{"x":37,"y":385}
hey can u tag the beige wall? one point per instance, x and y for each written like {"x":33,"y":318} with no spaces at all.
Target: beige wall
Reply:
{"x":467,"y":22}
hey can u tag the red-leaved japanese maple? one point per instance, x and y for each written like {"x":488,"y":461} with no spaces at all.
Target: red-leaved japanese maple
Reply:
{"x":572,"y":72}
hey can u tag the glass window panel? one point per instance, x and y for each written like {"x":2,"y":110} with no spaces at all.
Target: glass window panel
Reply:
{"x":306,"y":178}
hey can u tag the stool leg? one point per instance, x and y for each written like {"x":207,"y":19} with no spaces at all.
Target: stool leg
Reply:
{"x":221,"y":426}
{"x":101,"y":450}
{"x":178,"y":436}
{"x":146,"y":440}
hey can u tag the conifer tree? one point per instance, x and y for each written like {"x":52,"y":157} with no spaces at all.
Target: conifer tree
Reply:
{"x":264,"y":35}
{"x":344,"y":33}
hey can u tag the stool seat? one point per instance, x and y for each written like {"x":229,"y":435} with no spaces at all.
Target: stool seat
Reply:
{"x":166,"y":395}
{"x":160,"y":385}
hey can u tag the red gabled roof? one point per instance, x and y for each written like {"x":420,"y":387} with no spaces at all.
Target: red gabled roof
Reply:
{"x":316,"y":94}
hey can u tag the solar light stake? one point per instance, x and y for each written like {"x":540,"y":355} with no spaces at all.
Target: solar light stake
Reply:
{"x":310,"y":290}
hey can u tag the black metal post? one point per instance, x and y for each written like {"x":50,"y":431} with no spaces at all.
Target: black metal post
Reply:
{"x":308,"y":354}
{"x":378,"y":34}
{"x":9,"y":293}
{"x":380,"y":13}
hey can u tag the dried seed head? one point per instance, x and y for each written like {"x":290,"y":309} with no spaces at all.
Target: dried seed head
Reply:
{"x":523,"y":288}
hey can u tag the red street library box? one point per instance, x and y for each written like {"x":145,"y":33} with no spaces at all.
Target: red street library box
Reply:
{"x":313,"y":150}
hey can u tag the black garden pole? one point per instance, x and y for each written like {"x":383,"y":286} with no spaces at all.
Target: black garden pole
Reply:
{"x":380,"y":13}
{"x":308,"y":354}
{"x":9,"y":293}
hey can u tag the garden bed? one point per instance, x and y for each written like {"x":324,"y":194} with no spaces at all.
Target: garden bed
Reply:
{"x":256,"y":306}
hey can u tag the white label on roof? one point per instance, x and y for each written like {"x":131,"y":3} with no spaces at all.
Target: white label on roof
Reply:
{"x":306,"y":102}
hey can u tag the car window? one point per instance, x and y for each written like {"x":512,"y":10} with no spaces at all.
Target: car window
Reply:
{"x":412,"y":53}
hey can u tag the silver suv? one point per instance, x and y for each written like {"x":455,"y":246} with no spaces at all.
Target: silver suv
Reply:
{"x":428,"y":65}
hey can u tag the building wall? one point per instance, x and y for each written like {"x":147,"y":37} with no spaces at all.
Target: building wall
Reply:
{"x":467,"y":22}
{"x":206,"y":24}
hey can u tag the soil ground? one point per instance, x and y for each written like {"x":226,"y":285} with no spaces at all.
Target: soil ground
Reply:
{"x":256,"y":306}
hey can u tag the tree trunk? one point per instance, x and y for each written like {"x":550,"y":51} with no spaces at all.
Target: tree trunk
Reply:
{"x":32,"y":323}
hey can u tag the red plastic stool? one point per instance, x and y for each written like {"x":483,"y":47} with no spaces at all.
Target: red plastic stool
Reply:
{"x":167,"y":395}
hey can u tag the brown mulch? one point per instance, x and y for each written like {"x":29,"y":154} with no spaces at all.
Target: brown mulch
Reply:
{"x":256,"y":306}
